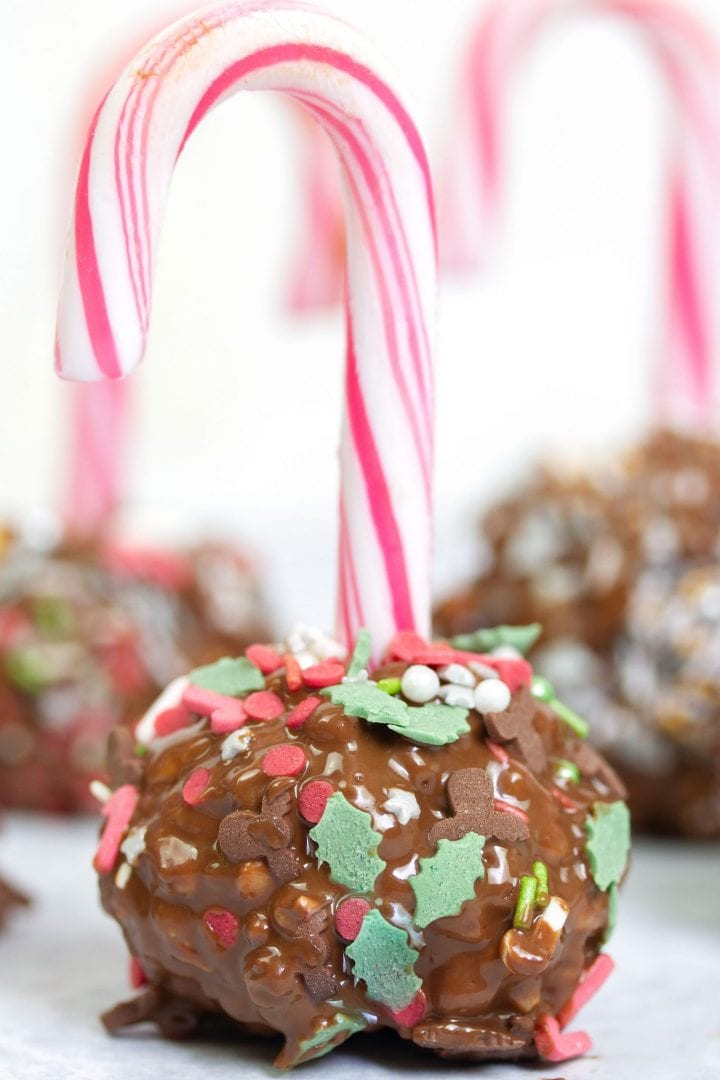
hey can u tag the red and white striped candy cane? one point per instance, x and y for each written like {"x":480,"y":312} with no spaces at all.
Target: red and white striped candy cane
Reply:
{"x":689,"y":59}
{"x":134,"y":142}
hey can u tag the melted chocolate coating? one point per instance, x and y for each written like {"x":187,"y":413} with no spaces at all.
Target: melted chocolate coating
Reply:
{"x":272,"y":960}
{"x":89,"y":638}
{"x":619,"y":566}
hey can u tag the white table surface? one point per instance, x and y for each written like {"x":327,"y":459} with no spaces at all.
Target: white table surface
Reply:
{"x":62,"y":962}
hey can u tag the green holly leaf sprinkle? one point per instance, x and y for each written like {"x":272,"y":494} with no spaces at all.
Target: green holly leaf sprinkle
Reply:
{"x":447,"y":879}
{"x":347,"y":842}
{"x":361,"y":654}
{"x":434,"y":724}
{"x":329,"y":1033}
{"x":385,"y":961}
{"x":369,"y":702}
{"x":612,"y":913}
{"x":608,"y":843}
{"x":521,"y":638}
{"x":232,"y":677}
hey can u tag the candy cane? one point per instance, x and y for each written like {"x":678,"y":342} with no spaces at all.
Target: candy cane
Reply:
{"x":690,"y":62}
{"x":316,"y":266}
{"x":93,"y":484}
{"x":135,"y":139}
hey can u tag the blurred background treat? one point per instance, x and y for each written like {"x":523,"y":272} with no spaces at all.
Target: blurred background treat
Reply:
{"x":618,"y":560}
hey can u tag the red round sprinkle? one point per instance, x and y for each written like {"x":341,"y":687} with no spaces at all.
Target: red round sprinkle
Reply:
{"x":312,"y":799}
{"x":293,"y":674}
{"x":136,"y":974}
{"x":302,"y":712}
{"x":172,"y":720}
{"x":284,"y":760}
{"x":264,"y":705}
{"x":264,"y":657}
{"x":194,"y":786}
{"x":349,"y":917}
{"x":223,"y":925}
{"x":413,"y":1013}
{"x":329,"y":673}
{"x":228,"y":718}
{"x":204,"y":702}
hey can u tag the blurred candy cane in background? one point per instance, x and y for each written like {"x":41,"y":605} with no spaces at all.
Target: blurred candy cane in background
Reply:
{"x":470,"y":196}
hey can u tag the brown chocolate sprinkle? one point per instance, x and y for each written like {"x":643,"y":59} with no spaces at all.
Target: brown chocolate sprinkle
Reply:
{"x":268,"y":835}
{"x":318,"y":976}
{"x":471,"y":798}
{"x":125,"y":766}
{"x":515,"y":726}
{"x":591,"y":764}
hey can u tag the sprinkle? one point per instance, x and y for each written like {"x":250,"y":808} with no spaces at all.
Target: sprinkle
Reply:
{"x":498,"y":752}
{"x":457,"y":696}
{"x":492,"y":696}
{"x":413,"y":1013}
{"x":389,"y":686}
{"x":313,"y":798}
{"x":608,"y":843}
{"x":117,"y":811}
{"x":349,"y":917}
{"x":99,"y":791}
{"x":521,"y":638}
{"x":612,"y":913}
{"x":223,"y":925}
{"x":265,"y":658}
{"x":600,"y":970}
{"x":402,"y":804}
{"x":228,"y":717}
{"x":385,"y":962}
{"x":227,"y":676}
{"x":136,"y":974}
{"x":347,"y":842}
{"x":457,"y":674}
{"x":554,"y":1046}
{"x":405,"y":645}
{"x":327,"y":673}
{"x":293,"y":673}
{"x":565,"y":801}
{"x":204,"y":702}
{"x":302,"y":712}
{"x":567,"y":770}
{"x":509,"y":808}
{"x":540,"y":873}
{"x":171,"y":720}
{"x":447,"y":879}
{"x":470,"y":795}
{"x":236,"y":743}
{"x":543,"y":690}
{"x":133,"y":845}
{"x":123,"y":875}
{"x":285,"y":760}
{"x":527,"y":891}
{"x":195,"y":785}
{"x":435,"y":655}
{"x":264,"y":705}
{"x":361,"y":654}
{"x":433,"y":724}
{"x":515,"y":673}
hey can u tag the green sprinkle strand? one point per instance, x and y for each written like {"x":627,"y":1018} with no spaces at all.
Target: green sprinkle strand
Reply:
{"x":540,"y":873}
{"x":525,"y":906}
{"x":390,"y":686}
{"x":361,"y":654}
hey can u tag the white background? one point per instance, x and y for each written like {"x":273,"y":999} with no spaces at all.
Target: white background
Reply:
{"x":551,"y":345}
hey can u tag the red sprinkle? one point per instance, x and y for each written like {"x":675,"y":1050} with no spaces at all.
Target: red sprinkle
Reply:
{"x":406,"y":645}
{"x":194,"y":786}
{"x":172,"y":720}
{"x":284,"y":760}
{"x":554,"y":1046}
{"x":264,"y":657}
{"x":435,"y":655}
{"x":515,"y":673}
{"x":228,"y":717}
{"x":508,"y":808}
{"x":329,"y":673}
{"x":595,"y":976}
{"x":349,"y":917}
{"x":223,"y":925}
{"x":117,"y":811}
{"x":498,"y":752}
{"x":413,"y":1013}
{"x":312,"y":799}
{"x":136,"y":974}
{"x":302,"y":712}
{"x":563,"y":799}
{"x":264,"y":705}
{"x":204,"y":702}
{"x":293,"y":672}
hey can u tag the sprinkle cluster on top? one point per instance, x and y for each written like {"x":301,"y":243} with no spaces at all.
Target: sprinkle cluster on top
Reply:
{"x":428,"y":703}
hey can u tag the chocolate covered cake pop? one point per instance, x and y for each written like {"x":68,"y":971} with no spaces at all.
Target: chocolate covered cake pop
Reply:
{"x":620,"y":568}
{"x":315,"y":851}
{"x":89,"y":634}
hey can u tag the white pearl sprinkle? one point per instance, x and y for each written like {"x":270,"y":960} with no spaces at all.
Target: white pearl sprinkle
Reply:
{"x":457,"y":674}
{"x":420,"y":684}
{"x":491,"y":696}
